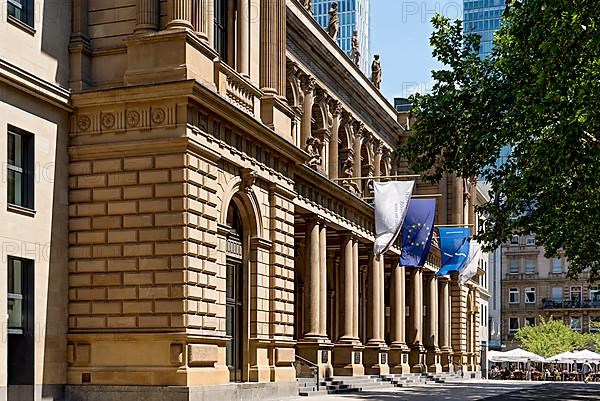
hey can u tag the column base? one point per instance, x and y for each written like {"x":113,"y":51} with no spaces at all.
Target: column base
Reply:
{"x":317,"y":350}
{"x":417,"y":359}
{"x":447,"y":364}
{"x":399,"y":356}
{"x":348,"y":358}
{"x":433,"y":358}
{"x":460,"y":362}
{"x":376,"y":359}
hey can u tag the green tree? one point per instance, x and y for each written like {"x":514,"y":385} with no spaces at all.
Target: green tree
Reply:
{"x":538,"y":93}
{"x":552,"y":337}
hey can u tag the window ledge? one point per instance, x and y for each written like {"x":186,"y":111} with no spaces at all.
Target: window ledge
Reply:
{"x":21,"y":25}
{"x":21,"y":210}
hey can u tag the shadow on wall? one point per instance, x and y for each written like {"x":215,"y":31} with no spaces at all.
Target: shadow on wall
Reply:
{"x":56,"y":32}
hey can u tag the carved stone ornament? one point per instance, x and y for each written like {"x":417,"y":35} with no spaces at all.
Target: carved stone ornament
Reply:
{"x":84,"y":123}
{"x":334,"y":21}
{"x":248,"y":179}
{"x":158,"y":116}
{"x":376,"y":72}
{"x":307,"y":5}
{"x":308,"y":83}
{"x":133,"y":119}
{"x":355,"y":52}
{"x":313,"y":148}
{"x":108,"y":120}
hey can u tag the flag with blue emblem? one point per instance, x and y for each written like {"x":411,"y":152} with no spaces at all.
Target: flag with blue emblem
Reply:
{"x":454,"y":246}
{"x":417,"y":232}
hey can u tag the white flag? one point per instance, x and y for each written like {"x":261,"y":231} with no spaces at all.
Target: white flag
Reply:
{"x":391,"y":204}
{"x":472,"y":264}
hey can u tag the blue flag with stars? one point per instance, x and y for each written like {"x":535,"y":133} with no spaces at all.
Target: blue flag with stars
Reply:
{"x":417,"y":232}
{"x":454,"y":246}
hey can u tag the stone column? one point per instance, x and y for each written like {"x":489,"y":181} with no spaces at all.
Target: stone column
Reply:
{"x":323,"y":281}
{"x":273,"y":44}
{"x":312,"y":284}
{"x":347,"y":351}
{"x":417,"y":351}
{"x":179,"y":14}
{"x":458,"y":204}
{"x":209,"y":21}
{"x":336,"y":109}
{"x":377,"y":159}
{"x":398,"y":349}
{"x":433,"y":350}
{"x":243,"y":42}
{"x":357,"y":156}
{"x":355,"y":283}
{"x":308,"y":87}
{"x":376,"y":349}
{"x":147,"y":16}
{"x":444,"y":326}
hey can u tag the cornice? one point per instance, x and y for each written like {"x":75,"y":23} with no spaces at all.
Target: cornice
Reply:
{"x":35,"y":86}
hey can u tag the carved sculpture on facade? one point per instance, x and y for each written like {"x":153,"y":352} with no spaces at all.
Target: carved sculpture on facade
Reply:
{"x":248,"y":179}
{"x":308,"y":5}
{"x":313,"y":148}
{"x":355,"y":52}
{"x":334,"y":21}
{"x":376,"y":72}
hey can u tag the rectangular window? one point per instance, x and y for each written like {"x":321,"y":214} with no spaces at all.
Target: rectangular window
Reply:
{"x":575,"y":296}
{"x":594,"y":324}
{"x":529,"y":321}
{"x":19,"y":166}
{"x":557,"y":294}
{"x":221,"y":28}
{"x":576,"y":323}
{"x":20,"y":290}
{"x":513,"y":264}
{"x":530,"y":240}
{"x":21,"y":10}
{"x":530,"y":266}
{"x":557,"y":265}
{"x":530,"y":295}
{"x":514,"y":240}
{"x":595,"y":297}
{"x":513,"y":296}
{"x":513,"y":325}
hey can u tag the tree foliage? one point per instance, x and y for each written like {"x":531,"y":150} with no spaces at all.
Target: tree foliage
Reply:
{"x":554,"y":337}
{"x":538,"y":94}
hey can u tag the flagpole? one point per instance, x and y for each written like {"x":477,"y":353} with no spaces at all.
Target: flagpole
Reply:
{"x":375,"y":178}
{"x":414,"y":196}
{"x":454,"y":225}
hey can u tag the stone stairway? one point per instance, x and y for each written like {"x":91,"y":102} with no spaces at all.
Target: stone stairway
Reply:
{"x":348,"y":384}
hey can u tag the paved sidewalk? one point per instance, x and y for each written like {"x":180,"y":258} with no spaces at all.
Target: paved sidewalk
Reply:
{"x":474,"y":390}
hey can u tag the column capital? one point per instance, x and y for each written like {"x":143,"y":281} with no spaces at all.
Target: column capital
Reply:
{"x":307,"y":83}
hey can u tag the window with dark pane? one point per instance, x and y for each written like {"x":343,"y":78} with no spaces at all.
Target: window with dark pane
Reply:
{"x":20,"y":170}
{"x":221,"y":28}
{"x":21,"y":10}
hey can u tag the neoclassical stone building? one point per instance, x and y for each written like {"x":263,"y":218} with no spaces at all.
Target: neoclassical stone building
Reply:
{"x":220,"y":226}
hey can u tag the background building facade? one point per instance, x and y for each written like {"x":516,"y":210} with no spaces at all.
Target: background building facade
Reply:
{"x":354,"y":16}
{"x":483,"y":17}
{"x":535,"y":287}
{"x":187,"y":208}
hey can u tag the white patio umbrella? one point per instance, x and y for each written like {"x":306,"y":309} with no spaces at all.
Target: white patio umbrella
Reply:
{"x":520,"y":355}
{"x":563,"y":357}
{"x":586,"y":355}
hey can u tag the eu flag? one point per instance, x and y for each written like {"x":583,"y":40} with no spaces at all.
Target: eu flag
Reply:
{"x":417,"y":232}
{"x":454,"y":246}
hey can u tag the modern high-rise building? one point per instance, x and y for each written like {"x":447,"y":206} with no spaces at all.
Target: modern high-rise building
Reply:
{"x":354,"y":16}
{"x":483,"y":17}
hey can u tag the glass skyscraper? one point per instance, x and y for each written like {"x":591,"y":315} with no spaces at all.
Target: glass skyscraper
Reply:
{"x":354,"y":16}
{"x":483,"y":17}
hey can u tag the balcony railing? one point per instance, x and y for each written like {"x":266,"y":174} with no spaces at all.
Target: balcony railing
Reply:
{"x":549,"y":304}
{"x":236,"y":88}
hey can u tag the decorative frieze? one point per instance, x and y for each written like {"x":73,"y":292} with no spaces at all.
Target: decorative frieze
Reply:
{"x":124,"y":119}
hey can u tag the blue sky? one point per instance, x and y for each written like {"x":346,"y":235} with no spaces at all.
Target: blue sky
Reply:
{"x":400,"y":31}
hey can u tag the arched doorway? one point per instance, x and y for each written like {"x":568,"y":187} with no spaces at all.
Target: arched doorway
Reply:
{"x":234,"y":290}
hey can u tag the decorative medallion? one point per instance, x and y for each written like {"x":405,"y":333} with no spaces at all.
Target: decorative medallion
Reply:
{"x":84,"y":123}
{"x":133,"y":119}
{"x":158,"y":116}
{"x":108,"y":120}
